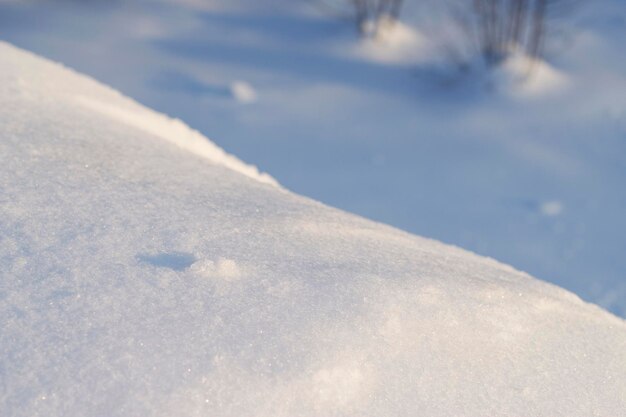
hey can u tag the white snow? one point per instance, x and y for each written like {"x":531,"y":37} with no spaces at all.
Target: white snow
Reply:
{"x":225,"y":269}
{"x":528,"y":77}
{"x":141,"y":279}
{"x":139,"y":117}
{"x":243,"y":92}
{"x":400,"y":136}
{"x":552,"y":208}
{"x":395,"y":43}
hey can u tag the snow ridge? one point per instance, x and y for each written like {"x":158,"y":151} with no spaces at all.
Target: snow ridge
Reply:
{"x":125,"y":110}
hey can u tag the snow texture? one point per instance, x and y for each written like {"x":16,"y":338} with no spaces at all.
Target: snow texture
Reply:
{"x":387,"y":127}
{"x":141,"y":279}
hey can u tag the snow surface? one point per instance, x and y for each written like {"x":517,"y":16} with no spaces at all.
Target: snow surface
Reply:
{"x":376,"y":127}
{"x":141,"y":278}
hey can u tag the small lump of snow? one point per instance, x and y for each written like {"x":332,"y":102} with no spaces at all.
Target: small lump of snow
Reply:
{"x":243,"y":92}
{"x":224,"y":269}
{"x":552,"y":208}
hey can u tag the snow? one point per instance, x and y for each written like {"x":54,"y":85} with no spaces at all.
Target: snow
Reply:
{"x":243,"y":92}
{"x":223,"y":269}
{"x":467,"y":159}
{"x":141,"y":277}
{"x":173,"y":130}
{"x":552,"y":208}
{"x":526,"y":77}
{"x":395,"y":43}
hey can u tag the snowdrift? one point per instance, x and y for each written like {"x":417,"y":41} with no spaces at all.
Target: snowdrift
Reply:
{"x":145,"y":272}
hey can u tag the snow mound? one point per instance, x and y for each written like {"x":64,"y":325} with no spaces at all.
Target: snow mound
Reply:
{"x":395,"y":43}
{"x":140,"y":279}
{"x":528,"y":77}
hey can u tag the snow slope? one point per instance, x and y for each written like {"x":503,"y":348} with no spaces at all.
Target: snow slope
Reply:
{"x":528,"y":171}
{"x":141,"y":278}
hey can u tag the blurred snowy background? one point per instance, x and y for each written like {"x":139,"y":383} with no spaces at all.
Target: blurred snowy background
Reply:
{"x":416,"y":124}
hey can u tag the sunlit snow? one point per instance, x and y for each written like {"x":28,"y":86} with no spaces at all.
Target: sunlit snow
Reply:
{"x":144,"y":272}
